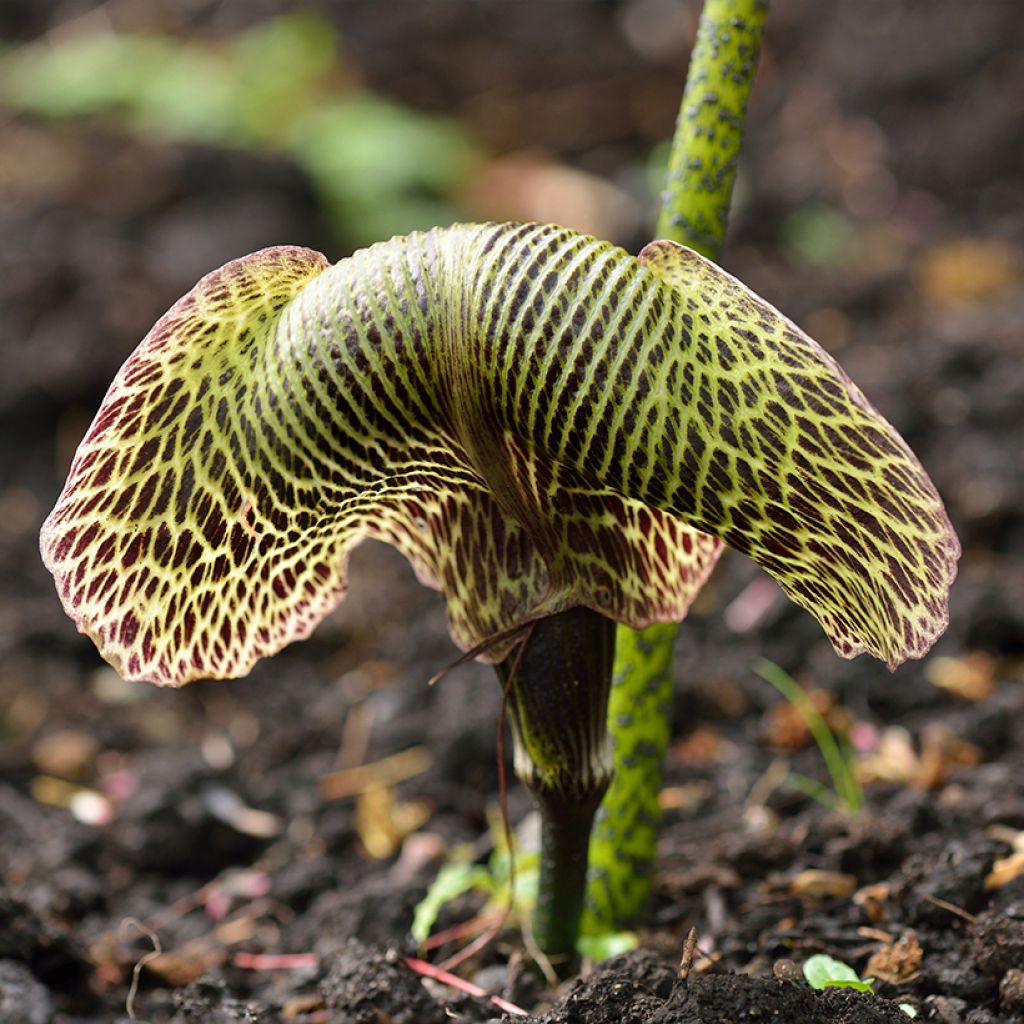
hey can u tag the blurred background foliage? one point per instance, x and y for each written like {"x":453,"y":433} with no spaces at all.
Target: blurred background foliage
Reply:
{"x":425,"y":113}
{"x":379,"y":167}
{"x":575,"y":133}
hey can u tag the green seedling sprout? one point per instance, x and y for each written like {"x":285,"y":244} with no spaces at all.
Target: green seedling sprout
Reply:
{"x":504,"y":889}
{"x":558,"y":435}
{"x":506,"y":892}
{"x":455,"y":879}
{"x":823,"y":971}
{"x":846,"y":791}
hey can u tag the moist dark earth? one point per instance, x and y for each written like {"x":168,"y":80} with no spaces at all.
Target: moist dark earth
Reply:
{"x":198,"y":823}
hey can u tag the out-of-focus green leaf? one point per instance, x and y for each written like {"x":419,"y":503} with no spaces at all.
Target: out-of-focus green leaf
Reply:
{"x":248,"y":92}
{"x":281,"y":69}
{"x":606,"y":945}
{"x":453,"y":880}
{"x":380,"y":168}
{"x":822,"y":971}
{"x":818,"y":235}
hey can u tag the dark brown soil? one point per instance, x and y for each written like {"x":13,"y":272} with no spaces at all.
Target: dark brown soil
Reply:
{"x":207,"y":826}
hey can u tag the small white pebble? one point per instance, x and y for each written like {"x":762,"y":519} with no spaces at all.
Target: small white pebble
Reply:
{"x":91,"y":808}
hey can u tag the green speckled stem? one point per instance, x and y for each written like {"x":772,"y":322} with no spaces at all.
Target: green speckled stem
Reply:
{"x":623,"y":838}
{"x":694,"y":212}
{"x":709,"y":130}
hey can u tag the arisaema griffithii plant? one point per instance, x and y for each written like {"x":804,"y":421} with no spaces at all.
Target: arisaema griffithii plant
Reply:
{"x":557,"y":435}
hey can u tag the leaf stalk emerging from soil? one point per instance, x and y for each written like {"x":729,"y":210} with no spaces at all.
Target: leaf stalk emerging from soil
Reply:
{"x":694,"y":212}
{"x":559,"y":702}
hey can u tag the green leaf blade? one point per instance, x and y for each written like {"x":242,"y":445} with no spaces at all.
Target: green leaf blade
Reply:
{"x":452,"y":881}
{"x":823,"y":971}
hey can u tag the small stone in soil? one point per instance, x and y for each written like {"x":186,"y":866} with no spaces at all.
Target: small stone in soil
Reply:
{"x":1011,"y":991}
{"x":996,"y":943}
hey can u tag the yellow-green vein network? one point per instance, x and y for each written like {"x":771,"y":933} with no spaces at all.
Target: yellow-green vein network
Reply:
{"x":535,"y":418}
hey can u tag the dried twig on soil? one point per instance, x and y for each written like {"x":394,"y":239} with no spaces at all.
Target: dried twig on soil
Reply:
{"x":686,"y":960}
{"x":406,"y":764}
{"x":157,"y":950}
{"x":951,"y":907}
{"x":275,"y":961}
